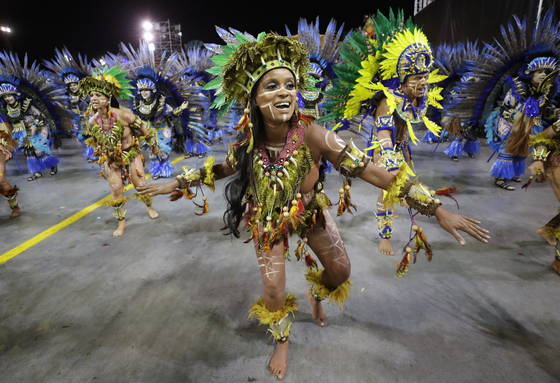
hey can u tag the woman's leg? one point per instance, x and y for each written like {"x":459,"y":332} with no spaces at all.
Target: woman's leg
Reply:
{"x":275,"y":306}
{"x":139,"y":179}
{"x":332,"y":281}
{"x":554,"y":224}
{"x":7,"y":190}
{"x":114,"y":176}
{"x":385,"y":225}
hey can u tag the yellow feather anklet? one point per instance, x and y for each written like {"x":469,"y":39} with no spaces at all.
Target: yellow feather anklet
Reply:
{"x":145,"y":199}
{"x":320,"y":291}
{"x":279,"y":325}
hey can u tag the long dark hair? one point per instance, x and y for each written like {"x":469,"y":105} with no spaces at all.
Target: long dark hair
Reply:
{"x":236,"y":186}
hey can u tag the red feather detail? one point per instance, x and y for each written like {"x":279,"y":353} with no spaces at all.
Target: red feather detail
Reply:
{"x":299,"y":250}
{"x":402,"y":266}
{"x":526,"y":184}
{"x":310,"y":262}
{"x":176,"y":195}
{"x":203,"y":208}
{"x":447,"y":191}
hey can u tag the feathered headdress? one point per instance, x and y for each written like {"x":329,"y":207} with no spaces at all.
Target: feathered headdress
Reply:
{"x":48,"y":94}
{"x":541,"y":63}
{"x":245,"y":59}
{"x":112,"y":82}
{"x":499,"y":63}
{"x":380,"y":66}
{"x":8,"y":84}
{"x":66,"y":68}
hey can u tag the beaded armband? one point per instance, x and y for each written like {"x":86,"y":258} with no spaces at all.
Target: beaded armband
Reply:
{"x":556,"y":126}
{"x":149,"y":139}
{"x":543,"y":145}
{"x":389,"y":159}
{"x":419,"y":198}
{"x":351,"y":161}
{"x":415,"y":194}
{"x":385,"y":123}
{"x":540,"y":153}
{"x":136,"y":124}
{"x":194,"y":176}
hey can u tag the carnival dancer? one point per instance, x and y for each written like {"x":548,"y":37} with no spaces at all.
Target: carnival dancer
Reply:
{"x":516,"y":83}
{"x":394,"y":85}
{"x":454,"y":61}
{"x":115,"y":135}
{"x":275,"y":185}
{"x":70,"y":72}
{"x":546,"y":163}
{"x":202,"y":126}
{"x":157,"y":85}
{"x":6,"y":148}
{"x":323,"y":54}
{"x":36,"y":107}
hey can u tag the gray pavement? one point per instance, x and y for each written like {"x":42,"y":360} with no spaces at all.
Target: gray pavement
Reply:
{"x":168,"y":302}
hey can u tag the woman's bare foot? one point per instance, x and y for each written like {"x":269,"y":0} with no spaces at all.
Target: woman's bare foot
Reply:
{"x":153,"y":214}
{"x":120,"y":229}
{"x":318,"y":313}
{"x":279,"y":362}
{"x":550,"y":238}
{"x":385,"y":246}
{"x":556,"y":266}
{"x":15,"y":212}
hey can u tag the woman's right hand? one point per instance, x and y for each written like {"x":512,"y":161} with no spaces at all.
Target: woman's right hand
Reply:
{"x":156,"y":189}
{"x":537,"y":168}
{"x":5,"y":152}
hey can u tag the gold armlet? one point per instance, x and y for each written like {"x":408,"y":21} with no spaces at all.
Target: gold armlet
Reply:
{"x":351,"y":161}
{"x":419,"y":198}
{"x":149,"y":139}
{"x":540,"y":153}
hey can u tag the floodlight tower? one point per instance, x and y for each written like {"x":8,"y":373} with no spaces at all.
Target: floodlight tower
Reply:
{"x":421,"y":4}
{"x":6,"y":31}
{"x":163,"y":36}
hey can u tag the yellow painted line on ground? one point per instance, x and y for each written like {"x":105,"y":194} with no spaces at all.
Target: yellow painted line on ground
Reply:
{"x":68,"y":221}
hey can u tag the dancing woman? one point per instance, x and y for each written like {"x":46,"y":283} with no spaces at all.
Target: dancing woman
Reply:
{"x":276,"y":182}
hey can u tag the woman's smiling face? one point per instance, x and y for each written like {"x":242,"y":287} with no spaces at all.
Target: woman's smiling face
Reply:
{"x":277,"y":95}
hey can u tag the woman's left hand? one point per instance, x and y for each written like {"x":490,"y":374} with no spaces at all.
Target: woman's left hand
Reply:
{"x":452,"y":222}
{"x":156,"y":189}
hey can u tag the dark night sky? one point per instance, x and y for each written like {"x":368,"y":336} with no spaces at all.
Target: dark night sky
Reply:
{"x":95,"y":27}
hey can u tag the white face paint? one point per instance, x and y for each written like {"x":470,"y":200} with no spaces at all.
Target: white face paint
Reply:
{"x":415,"y":85}
{"x":337,"y":142}
{"x":98,"y":100}
{"x":277,"y":95}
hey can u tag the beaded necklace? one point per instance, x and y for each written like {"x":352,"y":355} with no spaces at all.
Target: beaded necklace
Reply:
{"x":14,"y":111}
{"x":276,"y":170}
{"x":110,"y":136}
{"x":146,"y":108}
